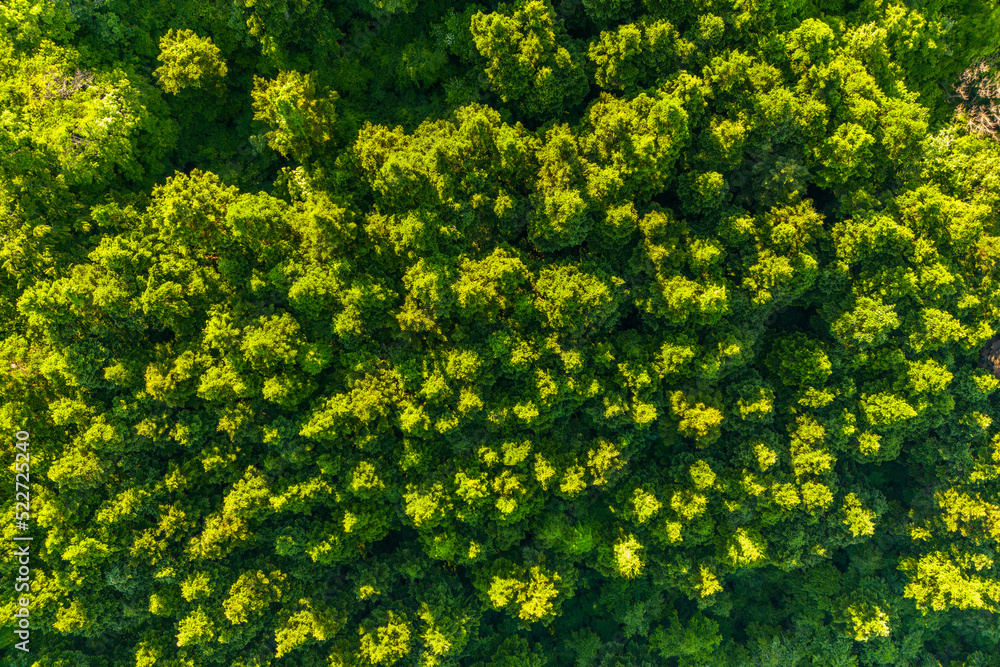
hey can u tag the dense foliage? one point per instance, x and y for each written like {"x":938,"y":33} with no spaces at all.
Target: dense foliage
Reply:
{"x":413,"y":332}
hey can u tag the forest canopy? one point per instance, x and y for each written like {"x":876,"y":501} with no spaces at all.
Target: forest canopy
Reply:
{"x":535,"y":333}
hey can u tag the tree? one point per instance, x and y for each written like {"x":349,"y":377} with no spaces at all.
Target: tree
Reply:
{"x":531,"y":63}
{"x":189,"y":61}
{"x":300,"y":121}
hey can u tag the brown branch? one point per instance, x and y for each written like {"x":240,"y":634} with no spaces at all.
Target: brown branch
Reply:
{"x":978,"y":96}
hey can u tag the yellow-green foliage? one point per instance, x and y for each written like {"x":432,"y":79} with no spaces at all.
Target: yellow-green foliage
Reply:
{"x":188,"y":61}
{"x":528,"y":333}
